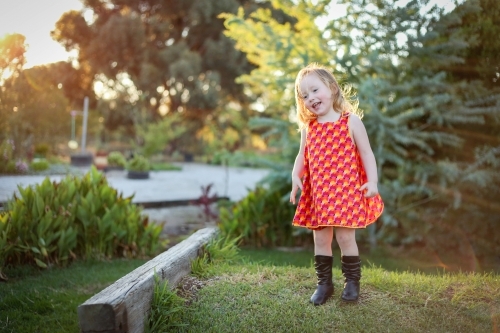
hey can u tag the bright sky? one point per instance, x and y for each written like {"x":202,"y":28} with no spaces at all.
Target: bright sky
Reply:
{"x":35,"y":19}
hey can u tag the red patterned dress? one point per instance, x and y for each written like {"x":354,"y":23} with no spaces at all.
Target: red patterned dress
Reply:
{"x":333,"y":174}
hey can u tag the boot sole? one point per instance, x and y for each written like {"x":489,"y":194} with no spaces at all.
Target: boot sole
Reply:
{"x":350,"y":301}
{"x":326,"y":300}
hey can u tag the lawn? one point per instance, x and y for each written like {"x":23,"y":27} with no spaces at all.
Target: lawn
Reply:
{"x":267,"y":291}
{"x":46,"y":301}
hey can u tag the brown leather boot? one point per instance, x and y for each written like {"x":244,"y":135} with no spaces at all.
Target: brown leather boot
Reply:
{"x":351,"y":269}
{"x":324,"y":290}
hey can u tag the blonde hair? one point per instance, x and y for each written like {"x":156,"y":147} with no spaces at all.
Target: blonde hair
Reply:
{"x":343,"y":97}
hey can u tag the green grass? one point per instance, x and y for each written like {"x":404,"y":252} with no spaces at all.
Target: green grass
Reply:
{"x":268,"y":291}
{"x":418,"y":260}
{"x":163,"y":166}
{"x":46,"y":301}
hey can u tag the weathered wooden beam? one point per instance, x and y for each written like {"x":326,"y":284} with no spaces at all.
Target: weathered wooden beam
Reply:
{"x":123,"y":306}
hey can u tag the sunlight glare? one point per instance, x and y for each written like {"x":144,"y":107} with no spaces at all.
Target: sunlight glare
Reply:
{"x":35,"y":20}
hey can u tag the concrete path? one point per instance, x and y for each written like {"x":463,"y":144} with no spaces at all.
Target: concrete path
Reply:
{"x":164,"y":185}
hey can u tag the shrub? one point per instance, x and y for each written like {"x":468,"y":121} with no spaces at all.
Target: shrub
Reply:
{"x":7,"y":150}
{"x":7,"y":164}
{"x":157,"y":136}
{"x":263,"y":218}
{"x":52,"y":223}
{"x":138,"y":163}
{"x":9,"y":167}
{"x":116,"y":159}
{"x":42,"y":150}
{"x":21,"y":167}
{"x":39,"y":164}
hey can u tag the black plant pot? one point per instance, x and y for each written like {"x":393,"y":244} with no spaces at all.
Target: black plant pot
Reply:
{"x":82,"y":159}
{"x":188,"y":157}
{"x":113,"y":168}
{"x":137,"y":174}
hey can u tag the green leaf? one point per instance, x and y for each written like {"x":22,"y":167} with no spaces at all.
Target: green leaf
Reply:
{"x":40,"y":263}
{"x":39,"y":205}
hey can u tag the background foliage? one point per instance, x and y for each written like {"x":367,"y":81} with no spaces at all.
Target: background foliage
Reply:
{"x":221,"y":73}
{"x":169,"y":58}
{"x":137,"y":61}
{"x":434,"y":133}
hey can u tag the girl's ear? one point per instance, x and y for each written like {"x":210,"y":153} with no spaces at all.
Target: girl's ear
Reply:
{"x":334,"y":89}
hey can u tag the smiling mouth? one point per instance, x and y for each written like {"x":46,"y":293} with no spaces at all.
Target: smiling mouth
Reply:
{"x":315,"y":105}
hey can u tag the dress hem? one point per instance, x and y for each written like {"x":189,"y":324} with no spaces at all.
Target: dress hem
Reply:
{"x":340,"y":226}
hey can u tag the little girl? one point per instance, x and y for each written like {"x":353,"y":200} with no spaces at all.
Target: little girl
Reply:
{"x":337,"y":173}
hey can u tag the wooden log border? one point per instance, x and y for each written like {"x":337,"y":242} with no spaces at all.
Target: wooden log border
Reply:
{"x":123,"y":306}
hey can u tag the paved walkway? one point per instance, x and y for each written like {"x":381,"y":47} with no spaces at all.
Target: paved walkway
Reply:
{"x":164,"y":185}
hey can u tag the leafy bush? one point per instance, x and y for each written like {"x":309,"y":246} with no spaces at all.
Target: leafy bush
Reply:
{"x":116,"y":159}
{"x":7,"y":164}
{"x":7,"y":150}
{"x":12,"y":167}
{"x":138,"y":163}
{"x":263,"y":218}
{"x":9,"y":167}
{"x":158,"y":136}
{"x":53,"y":223}
{"x":21,"y":167}
{"x":39,"y":165}
{"x":42,"y":150}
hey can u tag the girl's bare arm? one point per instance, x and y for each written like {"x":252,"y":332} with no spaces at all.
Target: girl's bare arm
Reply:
{"x":365,"y":151}
{"x":298,"y":167}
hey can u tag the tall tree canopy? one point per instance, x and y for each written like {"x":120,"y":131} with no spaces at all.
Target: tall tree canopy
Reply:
{"x":34,"y":109}
{"x":35,"y":102}
{"x":480,"y":29}
{"x":174,"y":53}
{"x":12,"y":50}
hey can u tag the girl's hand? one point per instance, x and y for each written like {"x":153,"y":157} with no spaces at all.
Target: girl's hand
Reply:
{"x":371,"y":189}
{"x":296,"y":184}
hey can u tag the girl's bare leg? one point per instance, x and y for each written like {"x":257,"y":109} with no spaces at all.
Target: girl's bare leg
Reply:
{"x":346,"y":238}
{"x":323,"y":241}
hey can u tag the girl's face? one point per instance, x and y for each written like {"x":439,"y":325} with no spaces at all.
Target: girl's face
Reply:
{"x":317,"y":97}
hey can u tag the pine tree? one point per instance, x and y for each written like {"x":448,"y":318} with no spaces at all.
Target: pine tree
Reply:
{"x":419,"y":108}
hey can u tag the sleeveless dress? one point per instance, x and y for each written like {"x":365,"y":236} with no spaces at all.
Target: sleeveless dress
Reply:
{"x":333,"y":174}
